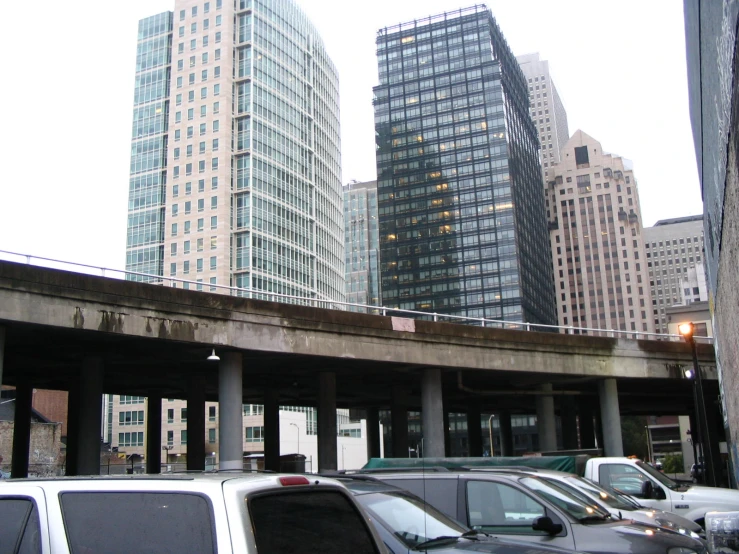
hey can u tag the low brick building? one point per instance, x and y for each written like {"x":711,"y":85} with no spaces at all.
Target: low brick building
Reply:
{"x":45,"y":452}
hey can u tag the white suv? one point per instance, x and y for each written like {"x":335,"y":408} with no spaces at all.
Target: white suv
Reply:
{"x":204,"y":513}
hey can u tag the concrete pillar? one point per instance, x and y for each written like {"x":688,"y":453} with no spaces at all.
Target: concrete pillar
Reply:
{"x":90,"y":416}
{"x":327,"y":447}
{"x":154,"y":433}
{"x":373,"y":433}
{"x":230,"y":405}
{"x":196,"y":423}
{"x":432,"y":414}
{"x":506,"y":434}
{"x":611,"y":418}
{"x":2,"y":354}
{"x":568,"y":418}
{"x":73,"y":430}
{"x":585,"y":421}
{"x":546,"y":425}
{"x":22,"y":430}
{"x":399,"y":422}
{"x":272,"y":430}
{"x":474,"y":428}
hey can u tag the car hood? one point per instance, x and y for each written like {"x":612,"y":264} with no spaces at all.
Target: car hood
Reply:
{"x":630,"y":536}
{"x":716,"y":497}
{"x":495,"y":545}
{"x":657,"y":517}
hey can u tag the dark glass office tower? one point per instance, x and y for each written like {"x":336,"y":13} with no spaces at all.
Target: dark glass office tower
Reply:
{"x":463,"y":227}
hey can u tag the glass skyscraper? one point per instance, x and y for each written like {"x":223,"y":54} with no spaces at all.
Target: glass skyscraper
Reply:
{"x":249,"y":149}
{"x":146,"y":191}
{"x":463,"y":226}
{"x":362,"y":244}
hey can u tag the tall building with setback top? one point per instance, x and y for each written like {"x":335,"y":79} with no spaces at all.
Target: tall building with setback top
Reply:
{"x":462,"y":218}
{"x":235,"y":164}
{"x":600,"y":265}
{"x":547,"y":111}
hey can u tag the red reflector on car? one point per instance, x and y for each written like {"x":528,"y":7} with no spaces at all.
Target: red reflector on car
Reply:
{"x":294,"y":480}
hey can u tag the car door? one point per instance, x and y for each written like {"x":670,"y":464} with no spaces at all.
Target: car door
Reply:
{"x":24,"y":526}
{"x":504,"y":510}
{"x":630,"y":480}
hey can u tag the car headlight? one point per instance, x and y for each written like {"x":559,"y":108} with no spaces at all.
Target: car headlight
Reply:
{"x":681,"y":550}
{"x":665,"y":523}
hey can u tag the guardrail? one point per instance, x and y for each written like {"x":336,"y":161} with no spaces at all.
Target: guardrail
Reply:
{"x":333,"y":304}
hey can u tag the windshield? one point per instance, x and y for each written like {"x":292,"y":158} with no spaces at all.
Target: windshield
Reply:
{"x":408,"y":518}
{"x":659,"y":476}
{"x":610,"y":499}
{"x":565,"y":497}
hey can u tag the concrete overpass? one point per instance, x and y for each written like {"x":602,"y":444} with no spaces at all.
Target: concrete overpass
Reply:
{"x":91,"y":335}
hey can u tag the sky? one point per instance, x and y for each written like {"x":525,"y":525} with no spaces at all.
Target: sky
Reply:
{"x":619,"y":68}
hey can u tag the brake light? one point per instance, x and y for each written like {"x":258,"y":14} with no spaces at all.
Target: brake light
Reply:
{"x":293,"y":480}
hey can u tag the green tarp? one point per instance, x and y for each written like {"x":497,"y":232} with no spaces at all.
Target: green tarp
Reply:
{"x":569,"y":464}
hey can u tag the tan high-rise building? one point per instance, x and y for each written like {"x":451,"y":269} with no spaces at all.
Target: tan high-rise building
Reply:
{"x":546,"y":109}
{"x":600,"y":267}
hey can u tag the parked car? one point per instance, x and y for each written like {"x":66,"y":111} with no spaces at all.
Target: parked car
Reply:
{"x":525,"y":507}
{"x":175,"y":514}
{"x":407,"y":524}
{"x":620,"y":506}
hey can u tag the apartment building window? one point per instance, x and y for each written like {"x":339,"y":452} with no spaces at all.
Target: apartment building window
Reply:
{"x":254,"y":434}
{"x":131,"y":418}
{"x":183,"y":436}
{"x":170,"y":438}
{"x":211,"y":413}
{"x":183,"y":415}
{"x":211,"y":436}
{"x":131,"y":439}
{"x":170,"y":415}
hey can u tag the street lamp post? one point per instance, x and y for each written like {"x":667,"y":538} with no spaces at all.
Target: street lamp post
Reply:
{"x":298,"y":433}
{"x":490,"y":431}
{"x":704,"y":439}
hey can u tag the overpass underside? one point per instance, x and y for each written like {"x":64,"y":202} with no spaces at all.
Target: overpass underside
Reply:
{"x":91,"y":335}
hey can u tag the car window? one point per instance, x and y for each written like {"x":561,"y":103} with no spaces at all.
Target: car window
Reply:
{"x":141,"y":522}
{"x":408,"y":518}
{"x":612,"y":500}
{"x":623,"y":478}
{"x":497,"y":507}
{"x":440,"y":493}
{"x":19,"y":526}
{"x":314,"y":521}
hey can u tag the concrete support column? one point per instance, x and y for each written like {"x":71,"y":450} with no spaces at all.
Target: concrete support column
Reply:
{"x":327,"y":447}
{"x":73,"y":423}
{"x":154,"y":433}
{"x":610,"y":417}
{"x":474,"y":428}
{"x":196,"y":423}
{"x":22,"y":430}
{"x":506,"y":434}
{"x":373,"y":433}
{"x":568,"y":417}
{"x":546,"y":423}
{"x":90,"y":416}
{"x":272,"y":430}
{"x":587,"y":426}
{"x":399,"y":423}
{"x":432,"y":414}
{"x":230,"y":402}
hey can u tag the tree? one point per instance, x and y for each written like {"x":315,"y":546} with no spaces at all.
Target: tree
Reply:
{"x":634,"y":436}
{"x":673,"y":463}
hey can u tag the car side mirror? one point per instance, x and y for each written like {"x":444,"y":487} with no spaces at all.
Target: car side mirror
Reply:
{"x":647,"y":489}
{"x":658,"y":493}
{"x":546,"y":524}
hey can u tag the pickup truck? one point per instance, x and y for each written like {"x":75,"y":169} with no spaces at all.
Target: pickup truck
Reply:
{"x":624,"y":475}
{"x":655,"y":490}
{"x":204,"y":513}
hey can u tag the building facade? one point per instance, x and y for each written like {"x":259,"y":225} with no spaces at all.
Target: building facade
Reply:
{"x":362,"y":244}
{"x":547,"y":110}
{"x":462,"y":217}
{"x":245,"y":155}
{"x":149,"y":141}
{"x":675,"y":262}
{"x":597,"y":240}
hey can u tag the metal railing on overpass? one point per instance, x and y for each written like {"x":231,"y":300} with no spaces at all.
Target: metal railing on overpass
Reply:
{"x":328,"y":303}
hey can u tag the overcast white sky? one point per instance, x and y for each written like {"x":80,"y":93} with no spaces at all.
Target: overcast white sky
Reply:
{"x":619,"y":67}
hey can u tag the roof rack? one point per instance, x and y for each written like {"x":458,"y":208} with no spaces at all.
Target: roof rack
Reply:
{"x":405,"y":469}
{"x":505,"y":469}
